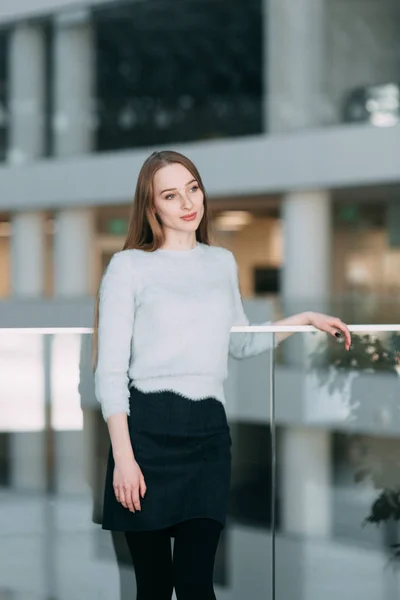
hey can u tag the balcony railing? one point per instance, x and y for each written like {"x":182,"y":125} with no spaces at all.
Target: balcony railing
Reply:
{"x":315,"y":490}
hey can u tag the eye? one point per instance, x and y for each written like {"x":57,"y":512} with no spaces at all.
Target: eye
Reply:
{"x":169,"y":196}
{"x":194,"y":188}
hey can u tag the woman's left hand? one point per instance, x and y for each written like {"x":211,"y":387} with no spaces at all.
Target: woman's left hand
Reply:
{"x":331,"y":325}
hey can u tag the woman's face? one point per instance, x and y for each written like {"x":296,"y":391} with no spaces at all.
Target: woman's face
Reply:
{"x":177,"y":195}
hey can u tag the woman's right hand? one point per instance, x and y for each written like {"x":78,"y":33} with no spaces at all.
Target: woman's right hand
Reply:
{"x":129,"y":483}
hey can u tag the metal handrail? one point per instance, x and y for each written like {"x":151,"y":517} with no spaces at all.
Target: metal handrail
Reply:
{"x":236,"y":329}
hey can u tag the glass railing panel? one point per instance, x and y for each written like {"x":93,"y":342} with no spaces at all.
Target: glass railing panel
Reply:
{"x":249,"y":531}
{"x":338,"y":474}
{"x":53,"y":452}
{"x":328,"y":528}
{"x":46,"y":524}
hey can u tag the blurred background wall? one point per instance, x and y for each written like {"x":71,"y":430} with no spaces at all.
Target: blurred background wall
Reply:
{"x":290,"y":110}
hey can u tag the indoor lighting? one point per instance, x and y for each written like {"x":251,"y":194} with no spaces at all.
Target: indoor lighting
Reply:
{"x":233,"y":220}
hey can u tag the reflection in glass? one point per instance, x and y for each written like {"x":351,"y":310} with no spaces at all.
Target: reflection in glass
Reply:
{"x":66,"y":412}
{"x":22,"y":382}
{"x":373,"y":450}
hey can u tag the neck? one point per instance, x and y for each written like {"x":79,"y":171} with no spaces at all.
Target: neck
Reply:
{"x":179,"y":242}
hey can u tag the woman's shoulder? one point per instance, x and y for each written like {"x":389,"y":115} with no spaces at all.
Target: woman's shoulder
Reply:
{"x":222,"y":254}
{"x":123,"y":261}
{"x":129,"y":256}
{"x":126,"y":268}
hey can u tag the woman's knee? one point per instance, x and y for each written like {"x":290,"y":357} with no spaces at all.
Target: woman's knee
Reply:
{"x":195,"y":547}
{"x":152,"y":562}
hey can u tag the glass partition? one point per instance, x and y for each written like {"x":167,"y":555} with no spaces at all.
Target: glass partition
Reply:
{"x":338,"y":468}
{"x":53,"y":451}
{"x":315,"y":484}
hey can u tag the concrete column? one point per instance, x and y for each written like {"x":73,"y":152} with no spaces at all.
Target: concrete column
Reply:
{"x":27,"y":254}
{"x":73,"y":83}
{"x":73,"y":252}
{"x":306,"y":278}
{"x":306,"y":286}
{"x":73,"y":276}
{"x":295,"y":64}
{"x":28,"y":450}
{"x":27,"y":94}
{"x":304,"y":460}
{"x":305,"y":470}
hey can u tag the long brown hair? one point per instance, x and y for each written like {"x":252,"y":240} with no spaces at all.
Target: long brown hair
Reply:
{"x":145,"y":231}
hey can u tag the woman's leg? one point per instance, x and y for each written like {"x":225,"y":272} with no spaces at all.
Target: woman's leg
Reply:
{"x":152,"y":561}
{"x":196,"y":542}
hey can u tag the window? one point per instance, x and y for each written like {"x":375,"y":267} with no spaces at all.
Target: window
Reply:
{"x":177,"y":70}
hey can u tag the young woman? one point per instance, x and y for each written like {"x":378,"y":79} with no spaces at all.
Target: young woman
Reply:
{"x":166,"y":305}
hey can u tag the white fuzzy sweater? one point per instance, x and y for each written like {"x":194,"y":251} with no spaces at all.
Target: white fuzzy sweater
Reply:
{"x":164,"y":324}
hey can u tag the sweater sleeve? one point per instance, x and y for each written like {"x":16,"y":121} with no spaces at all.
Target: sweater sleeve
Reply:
{"x":116,"y":318}
{"x":245,"y":345}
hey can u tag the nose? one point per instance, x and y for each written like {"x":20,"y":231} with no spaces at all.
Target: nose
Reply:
{"x":186,"y":200}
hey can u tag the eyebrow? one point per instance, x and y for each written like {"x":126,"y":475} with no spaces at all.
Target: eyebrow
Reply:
{"x":173,"y":189}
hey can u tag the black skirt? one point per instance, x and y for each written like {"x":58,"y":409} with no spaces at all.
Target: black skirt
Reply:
{"x":183,"y":448}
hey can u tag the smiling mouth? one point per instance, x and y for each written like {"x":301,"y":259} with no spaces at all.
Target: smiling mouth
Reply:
{"x":189,"y":217}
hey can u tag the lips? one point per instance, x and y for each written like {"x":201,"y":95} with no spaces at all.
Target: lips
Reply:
{"x":190,"y":217}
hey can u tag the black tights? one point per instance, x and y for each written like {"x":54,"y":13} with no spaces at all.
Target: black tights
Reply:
{"x":189,"y":569}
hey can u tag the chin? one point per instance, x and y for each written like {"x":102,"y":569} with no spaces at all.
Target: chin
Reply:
{"x":190,"y":225}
